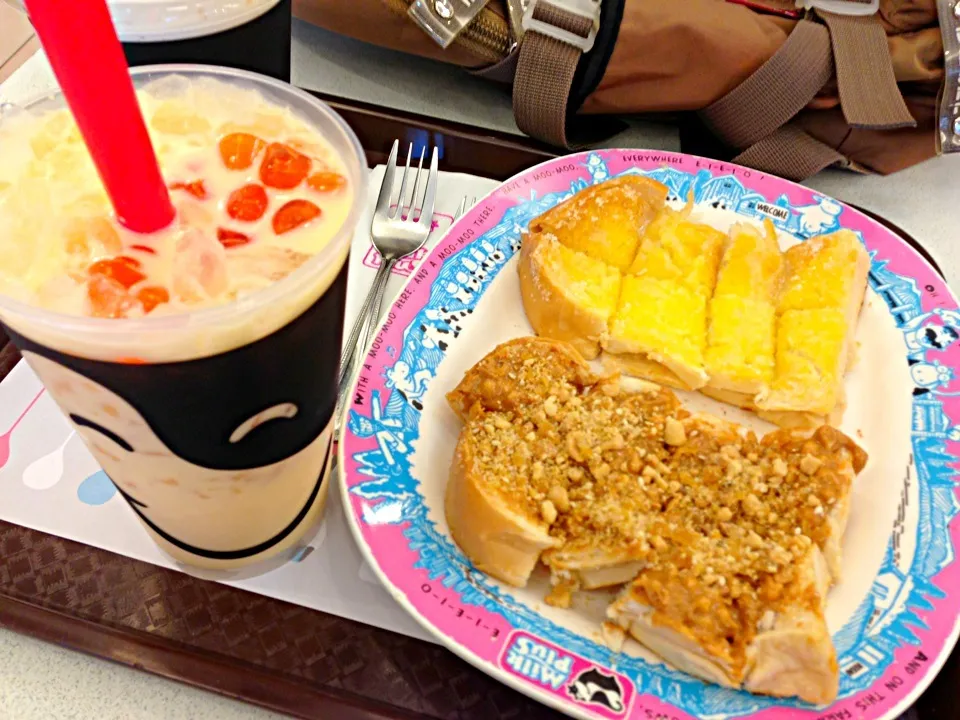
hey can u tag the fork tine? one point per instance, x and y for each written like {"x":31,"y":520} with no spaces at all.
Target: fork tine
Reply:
{"x":416,"y":185}
{"x":403,"y":185}
{"x":386,"y":187}
{"x":461,"y":208}
{"x":430,"y":194}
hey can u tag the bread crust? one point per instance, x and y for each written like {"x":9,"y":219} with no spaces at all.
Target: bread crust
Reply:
{"x":641,"y":366}
{"x":498,"y":540}
{"x":791,"y":655}
{"x":549,"y":307}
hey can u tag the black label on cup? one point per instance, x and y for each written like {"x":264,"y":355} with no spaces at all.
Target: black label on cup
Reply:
{"x":142,"y":511}
{"x":197,"y":425}
{"x":246,"y":408}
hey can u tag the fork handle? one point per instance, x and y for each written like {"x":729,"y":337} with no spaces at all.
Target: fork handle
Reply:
{"x":376,"y":307}
{"x":352,"y":348}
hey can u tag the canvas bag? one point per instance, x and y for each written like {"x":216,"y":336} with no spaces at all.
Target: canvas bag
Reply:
{"x":853,"y":83}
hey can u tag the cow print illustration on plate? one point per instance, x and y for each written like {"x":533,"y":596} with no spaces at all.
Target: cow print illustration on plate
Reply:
{"x":435,"y":337}
{"x":592,"y":687}
{"x":450,"y":318}
{"x":412,"y":386}
{"x":444,"y":327}
{"x":465,"y":288}
{"x":482,"y":259}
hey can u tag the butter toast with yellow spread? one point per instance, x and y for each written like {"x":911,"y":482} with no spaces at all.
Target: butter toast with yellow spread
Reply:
{"x":824,"y":284}
{"x":742,"y":316}
{"x":567,"y":294}
{"x":605,"y":221}
{"x":668,"y":299}
{"x":658,"y":331}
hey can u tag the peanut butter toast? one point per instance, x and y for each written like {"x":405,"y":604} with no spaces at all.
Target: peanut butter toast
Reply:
{"x":546,"y":450}
{"x":603,"y":486}
{"x":518,"y":374}
{"x":746,"y":550}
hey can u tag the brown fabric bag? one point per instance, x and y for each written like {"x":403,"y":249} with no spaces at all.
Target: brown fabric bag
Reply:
{"x":789,"y":92}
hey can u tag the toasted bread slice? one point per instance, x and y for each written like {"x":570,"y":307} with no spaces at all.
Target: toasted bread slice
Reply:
{"x":605,"y":221}
{"x":733,"y":541}
{"x":609,"y":437}
{"x":828,"y":271}
{"x":817,"y":309}
{"x":501,"y":532}
{"x":640,"y":366}
{"x":576,"y":449}
{"x":573,"y":433}
{"x":518,"y":374}
{"x":788,"y":653}
{"x":812,"y":352}
{"x":664,"y":322}
{"x":658,"y":331}
{"x":697,"y":310}
{"x":739,"y":357}
{"x":735,"y":593}
{"x":567,"y":295}
{"x":680,"y":250}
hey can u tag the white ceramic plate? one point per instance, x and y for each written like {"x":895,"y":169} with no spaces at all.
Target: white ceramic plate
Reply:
{"x":894,"y":615}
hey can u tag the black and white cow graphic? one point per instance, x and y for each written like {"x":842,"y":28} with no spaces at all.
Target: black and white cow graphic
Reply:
{"x":592,"y":687}
{"x":487,"y":257}
{"x":412,"y":385}
{"x":450,"y":318}
{"x":466,"y":287}
{"x":494,"y":259}
{"x":436,"y":337}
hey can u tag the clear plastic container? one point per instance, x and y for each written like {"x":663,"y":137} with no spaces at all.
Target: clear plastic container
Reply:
{"x":219,"y":435}
{"x":140,"y":21}
{"x":164,"y":339}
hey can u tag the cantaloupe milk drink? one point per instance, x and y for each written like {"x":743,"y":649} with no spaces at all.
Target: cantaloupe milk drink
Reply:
{"x":198,"y":362}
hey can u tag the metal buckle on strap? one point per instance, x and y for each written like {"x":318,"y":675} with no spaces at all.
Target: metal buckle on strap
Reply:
{"x":444,"y":20}
{"x":852,"y":8}
{"x":588,"y":9}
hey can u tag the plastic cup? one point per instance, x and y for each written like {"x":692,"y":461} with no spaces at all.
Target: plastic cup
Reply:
{"x":216,"y":426}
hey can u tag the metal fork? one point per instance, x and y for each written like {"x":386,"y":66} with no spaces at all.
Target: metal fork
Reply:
{"x":394,"y":236}
{"x":464,"y":205}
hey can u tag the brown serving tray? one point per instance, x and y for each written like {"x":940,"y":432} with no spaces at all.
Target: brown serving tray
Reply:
{"x":268,"y":652}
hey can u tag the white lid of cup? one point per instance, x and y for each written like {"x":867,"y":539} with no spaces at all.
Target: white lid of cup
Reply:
{"x":165,"y":20}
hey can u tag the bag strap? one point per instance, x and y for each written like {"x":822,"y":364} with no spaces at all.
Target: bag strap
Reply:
{"x":791,"y":153}
{"x":754,"y":116}
{"x":869,"y":96}
{"x":777,"y":90}
{"x":556,"y":34}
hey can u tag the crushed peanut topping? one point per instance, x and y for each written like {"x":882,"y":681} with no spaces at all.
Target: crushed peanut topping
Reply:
{"x":720,"y":520}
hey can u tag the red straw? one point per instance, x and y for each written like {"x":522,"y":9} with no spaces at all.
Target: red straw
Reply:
{"x":87,"y":58}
